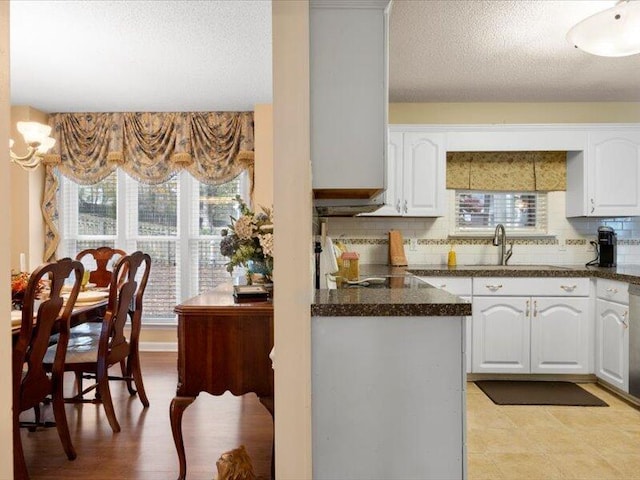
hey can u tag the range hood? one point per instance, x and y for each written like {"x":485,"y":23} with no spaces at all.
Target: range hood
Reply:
{"x":347,"y":203}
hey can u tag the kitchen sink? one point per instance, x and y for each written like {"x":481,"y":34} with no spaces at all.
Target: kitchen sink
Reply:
{"x":510,"y":267}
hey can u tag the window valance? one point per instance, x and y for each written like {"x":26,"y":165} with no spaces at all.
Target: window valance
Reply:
{"x":507,"y":171}
{"x":151,"y":147}
{"x":214,"y":147}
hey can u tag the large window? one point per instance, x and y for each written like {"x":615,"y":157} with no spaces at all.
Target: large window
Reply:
{"x":177,"y":222}
{"x":479,"y":212}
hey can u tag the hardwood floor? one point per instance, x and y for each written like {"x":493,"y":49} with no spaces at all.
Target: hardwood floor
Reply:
{"x":144,"y":449}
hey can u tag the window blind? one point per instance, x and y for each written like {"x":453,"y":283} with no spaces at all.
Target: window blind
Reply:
{"x":480,"y":211}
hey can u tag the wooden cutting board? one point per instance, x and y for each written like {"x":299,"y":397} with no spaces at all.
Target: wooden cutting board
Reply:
{"x":397,"y":258}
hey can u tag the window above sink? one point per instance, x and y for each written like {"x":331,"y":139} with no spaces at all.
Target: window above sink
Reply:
{"x":479,"y":212}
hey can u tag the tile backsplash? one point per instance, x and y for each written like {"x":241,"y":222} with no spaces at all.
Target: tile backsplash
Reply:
{"x":427,"y":240}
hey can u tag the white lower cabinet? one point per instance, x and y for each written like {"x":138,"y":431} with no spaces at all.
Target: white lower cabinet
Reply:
{"x":500,"y":335}
{"x":612,"y":343}
{"x":531,"y":334}
{"x":560,"y":335}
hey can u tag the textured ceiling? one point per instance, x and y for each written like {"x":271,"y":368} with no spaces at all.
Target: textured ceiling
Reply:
{"x":501,"y":51}
{"x":179,"y":55}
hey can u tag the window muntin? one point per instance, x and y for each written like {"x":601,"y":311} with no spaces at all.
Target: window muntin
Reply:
{"x":177,"y":222}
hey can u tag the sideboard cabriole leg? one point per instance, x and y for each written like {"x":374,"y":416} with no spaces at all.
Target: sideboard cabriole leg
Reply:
{"x":177,"y":408}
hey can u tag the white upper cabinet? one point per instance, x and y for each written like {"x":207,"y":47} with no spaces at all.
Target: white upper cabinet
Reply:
{"x":424,"y":175}
{"x":393,"y":196}
{"x":348,"y":95}
{"x":604,"y":180}
{"x":416,"y":175}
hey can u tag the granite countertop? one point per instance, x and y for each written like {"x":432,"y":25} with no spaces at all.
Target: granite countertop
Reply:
{"x":624,"y":273}
{"x":404,"y":295}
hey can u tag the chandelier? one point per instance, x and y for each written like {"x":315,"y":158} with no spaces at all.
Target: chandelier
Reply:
{"x":36,"y":136}
{"x":614,"y":32}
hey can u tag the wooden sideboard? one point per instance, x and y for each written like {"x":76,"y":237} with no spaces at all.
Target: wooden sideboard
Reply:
{"x":222,"y":346}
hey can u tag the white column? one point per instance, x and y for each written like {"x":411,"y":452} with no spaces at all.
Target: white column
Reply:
{"x":293,"y":285}
{"x":6,"y":439}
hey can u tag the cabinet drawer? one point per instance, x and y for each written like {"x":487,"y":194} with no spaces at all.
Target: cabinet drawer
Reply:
{"x":550,"y":286}
{"x":612,"y":290}
{"x":455,"y":285}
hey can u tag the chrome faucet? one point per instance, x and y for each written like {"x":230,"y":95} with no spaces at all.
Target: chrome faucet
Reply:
{"x":499,"y":240}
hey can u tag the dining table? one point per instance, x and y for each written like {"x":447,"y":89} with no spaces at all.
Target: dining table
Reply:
{"x":92,"y":310}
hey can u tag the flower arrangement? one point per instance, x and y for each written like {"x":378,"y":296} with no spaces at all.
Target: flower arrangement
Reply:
{"x":248,"y":241}
{"x":19,"y":282}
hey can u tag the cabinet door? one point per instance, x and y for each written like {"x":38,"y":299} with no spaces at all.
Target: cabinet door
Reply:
{"x":612,"y":343}
{"x":560,"y":335}
{"x":501,"y":334}
{"x":424,"y":174}
{"x":614,"y":173}
{"x":392,"y":197}
{"x":348,"y":94}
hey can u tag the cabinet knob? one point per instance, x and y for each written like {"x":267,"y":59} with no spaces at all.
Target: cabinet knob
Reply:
{"x":612,"y":290}
{"x":527,"y":313}
{"x":406,"y":208}
{"x":494,"y":288}
{"x":398,"y":206}
{"x":568,"y":288}
{"x":624,"y":319}
{"x":593,"y":207}
{"x":535,"y":308}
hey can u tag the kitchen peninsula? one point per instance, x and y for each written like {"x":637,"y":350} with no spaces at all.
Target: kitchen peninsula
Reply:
{"x":387,"y":378}
{"x":388,"y":381}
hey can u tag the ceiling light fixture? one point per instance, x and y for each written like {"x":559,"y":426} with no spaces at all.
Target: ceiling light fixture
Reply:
{"x":36,"y":136}
{"x":614,"y":32}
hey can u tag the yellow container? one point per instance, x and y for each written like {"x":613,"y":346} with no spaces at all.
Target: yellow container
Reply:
{"x":350,"y":269}
{"x":451,"y":258}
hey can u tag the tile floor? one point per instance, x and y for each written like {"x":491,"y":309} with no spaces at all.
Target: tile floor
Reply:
{"x":546,"y":443}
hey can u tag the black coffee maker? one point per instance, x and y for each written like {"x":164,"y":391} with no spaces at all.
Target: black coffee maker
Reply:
{"x":607,"y":241}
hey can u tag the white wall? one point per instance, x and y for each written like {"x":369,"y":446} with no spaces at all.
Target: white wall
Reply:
{"x":6,"y":452}
{"x":367,"y":235}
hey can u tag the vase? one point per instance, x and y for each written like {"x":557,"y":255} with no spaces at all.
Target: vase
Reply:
{"x":258,"y":272}
{"x":17,"y":301}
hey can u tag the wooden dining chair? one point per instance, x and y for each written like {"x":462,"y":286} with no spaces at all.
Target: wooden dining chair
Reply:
{"x":90,"y":356}
{"x":101,"y":276}
{"x":33,"y":382}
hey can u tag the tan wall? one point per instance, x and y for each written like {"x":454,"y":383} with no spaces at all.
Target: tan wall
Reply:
{"x":27,"y":229}
{"x":161,"y":335}
{"x":263,"y":132}
{"x":293,"y":212}
{"x":469,"y":113}
{"x":6,"y":452}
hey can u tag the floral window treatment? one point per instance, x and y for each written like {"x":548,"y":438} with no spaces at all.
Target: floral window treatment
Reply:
{"x":214,"y":147}
{"x":507,"y":171}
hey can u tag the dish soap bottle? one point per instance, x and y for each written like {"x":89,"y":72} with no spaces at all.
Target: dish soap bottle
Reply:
{"x":451,"y":258}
